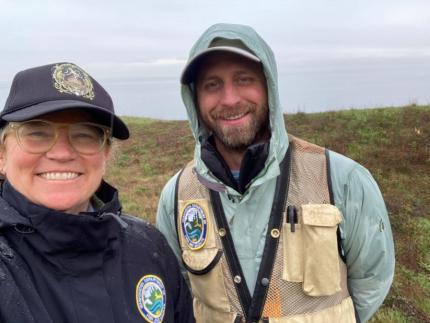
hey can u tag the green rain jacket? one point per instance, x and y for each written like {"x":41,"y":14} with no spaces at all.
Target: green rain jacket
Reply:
{"x":366,"y":236}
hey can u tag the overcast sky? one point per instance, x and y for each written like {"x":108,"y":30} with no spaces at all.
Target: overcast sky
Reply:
{"x":115,"y":40}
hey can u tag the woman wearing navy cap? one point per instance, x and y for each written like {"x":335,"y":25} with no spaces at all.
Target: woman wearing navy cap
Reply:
{"x":67,"y":253}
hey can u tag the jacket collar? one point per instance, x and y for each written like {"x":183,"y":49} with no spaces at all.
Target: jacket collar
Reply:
{"x":85,"y":231}
{"x":253,"y":162}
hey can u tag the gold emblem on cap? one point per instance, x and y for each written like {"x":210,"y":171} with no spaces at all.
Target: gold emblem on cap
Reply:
{"x":69,"y":78}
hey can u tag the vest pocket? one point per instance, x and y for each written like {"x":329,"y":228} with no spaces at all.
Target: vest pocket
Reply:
{"x":201,"y":262}
{"x":205,"y":273}
{"x":310,"y":251}
{"x":321,"y":269}
{"x":292,"y":247}
{"x":204,"y":314}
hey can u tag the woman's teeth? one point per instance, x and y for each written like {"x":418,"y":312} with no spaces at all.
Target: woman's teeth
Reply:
{"x":59,"y":176}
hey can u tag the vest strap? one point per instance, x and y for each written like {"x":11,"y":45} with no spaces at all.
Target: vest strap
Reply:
{"x":175,"y":206}
{"x":253,"y":306}
{"x":330,"y":192}
{"x":272,"y":240}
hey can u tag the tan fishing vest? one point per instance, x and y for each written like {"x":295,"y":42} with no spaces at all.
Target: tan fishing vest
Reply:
{"x":302,"y":278}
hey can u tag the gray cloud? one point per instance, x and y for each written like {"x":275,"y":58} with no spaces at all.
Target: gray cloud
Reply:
{"x":118,"y":40}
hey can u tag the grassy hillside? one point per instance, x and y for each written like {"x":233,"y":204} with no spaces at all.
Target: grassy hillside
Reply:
{"x":393,"y":143}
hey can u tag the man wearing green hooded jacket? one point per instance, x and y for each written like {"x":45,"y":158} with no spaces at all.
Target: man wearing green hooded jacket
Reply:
{"x":268,"y":227}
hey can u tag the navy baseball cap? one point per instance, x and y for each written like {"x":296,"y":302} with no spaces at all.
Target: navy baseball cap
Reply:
{"x":56,"y":87}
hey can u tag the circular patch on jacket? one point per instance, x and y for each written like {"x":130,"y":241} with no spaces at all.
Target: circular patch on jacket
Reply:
{"x":151,"y":298}
{"x":70,"y":79}
{"x":194,"y":226}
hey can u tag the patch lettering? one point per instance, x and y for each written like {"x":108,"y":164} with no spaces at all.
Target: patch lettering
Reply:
{"x":151,"y":298}
{"x":194,"y":226}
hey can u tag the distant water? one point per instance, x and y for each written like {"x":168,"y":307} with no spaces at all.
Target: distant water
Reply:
{"x":306,"y":88}
{"x":312,"y":87}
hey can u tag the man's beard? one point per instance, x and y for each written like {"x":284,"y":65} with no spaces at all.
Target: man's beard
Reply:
{"x":239,"y":138}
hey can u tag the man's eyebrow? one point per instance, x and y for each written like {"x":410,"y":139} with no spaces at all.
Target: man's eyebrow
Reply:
{"x":207,"y":78}
{"x":245,"y":71}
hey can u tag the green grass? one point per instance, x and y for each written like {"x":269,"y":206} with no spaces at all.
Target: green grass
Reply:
{"x":393,"y":143}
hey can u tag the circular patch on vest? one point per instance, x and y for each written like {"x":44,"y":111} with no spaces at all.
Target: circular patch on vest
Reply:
{"x":151,"y":298}
{"x":194,"y":226}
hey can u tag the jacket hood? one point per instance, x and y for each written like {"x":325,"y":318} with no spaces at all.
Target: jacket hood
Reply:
{"x":249,"y":37}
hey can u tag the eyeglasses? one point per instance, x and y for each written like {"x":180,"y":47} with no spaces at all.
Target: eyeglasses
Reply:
{"x":39,"y":136}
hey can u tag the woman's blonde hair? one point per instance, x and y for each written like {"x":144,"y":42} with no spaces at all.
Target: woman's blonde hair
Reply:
{"x":3,"y":133}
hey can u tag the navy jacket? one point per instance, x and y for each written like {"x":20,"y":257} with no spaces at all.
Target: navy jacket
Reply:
{"x":93,"y":267}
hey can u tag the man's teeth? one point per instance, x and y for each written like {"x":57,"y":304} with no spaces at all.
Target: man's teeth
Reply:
{"x":59,"y":176}
{"x":234,"y":117}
